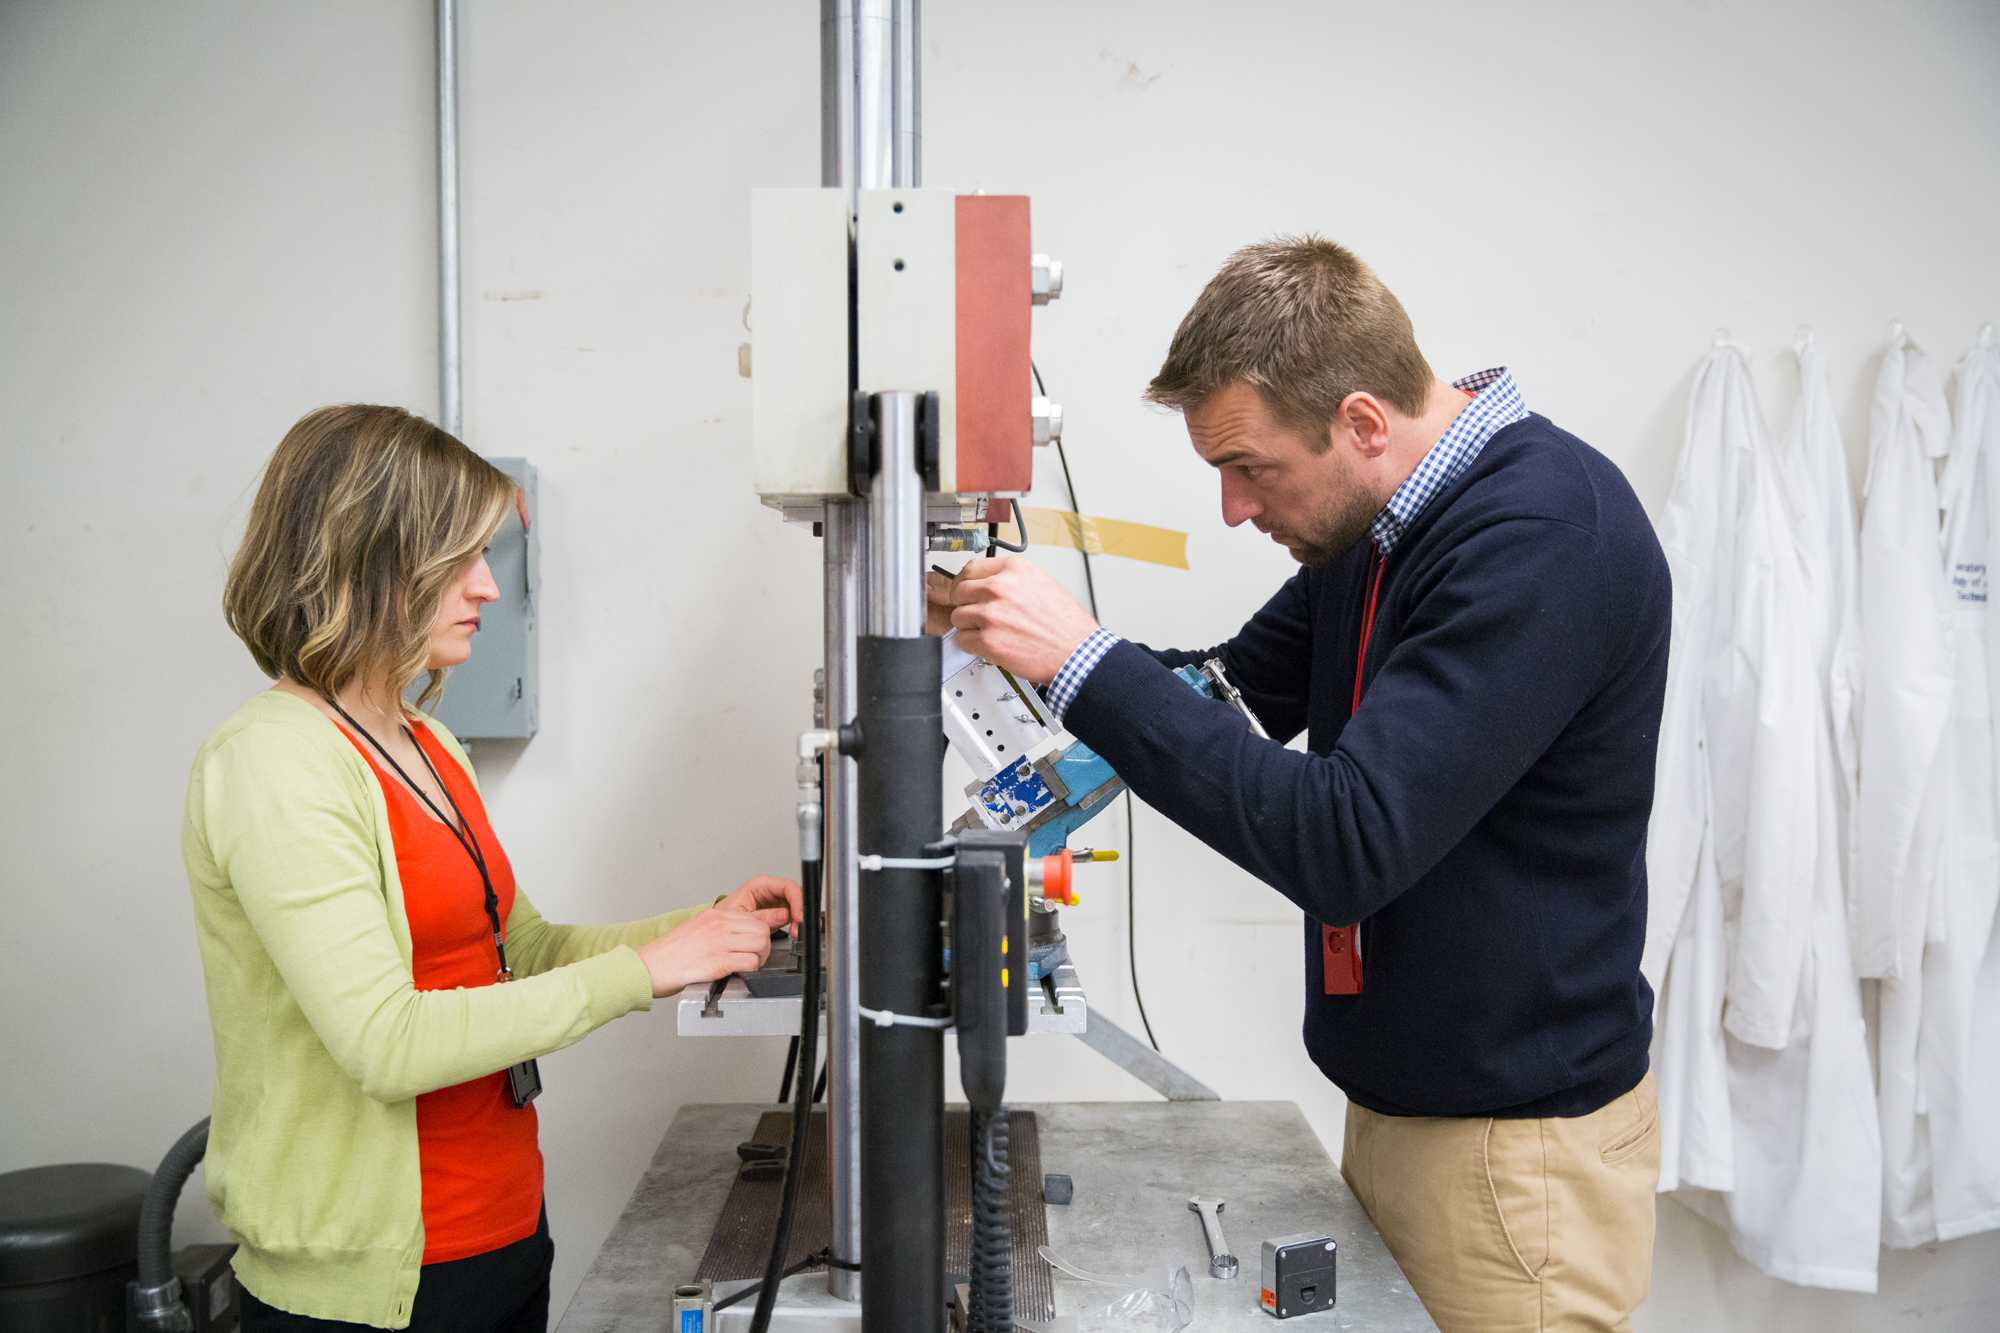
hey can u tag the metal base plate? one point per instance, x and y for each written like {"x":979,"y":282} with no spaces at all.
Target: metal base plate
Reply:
{"x":741,"y":1241}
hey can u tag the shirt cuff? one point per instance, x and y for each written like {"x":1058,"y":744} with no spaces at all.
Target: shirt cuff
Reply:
{"x":1062,"y":690}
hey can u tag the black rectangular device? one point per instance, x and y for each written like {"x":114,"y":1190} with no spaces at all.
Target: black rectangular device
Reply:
{"x":1298,"y":1274}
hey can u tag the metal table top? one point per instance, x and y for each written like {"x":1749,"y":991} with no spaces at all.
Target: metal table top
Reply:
{"x":1134,"y":1165}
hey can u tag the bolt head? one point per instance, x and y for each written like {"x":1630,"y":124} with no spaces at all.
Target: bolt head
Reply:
{"x":1048,"y":420}
{"x":1046,"y":278}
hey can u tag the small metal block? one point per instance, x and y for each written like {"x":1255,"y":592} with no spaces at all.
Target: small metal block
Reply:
{"x":1057,"y":1189}
{"x":694,"y":1308}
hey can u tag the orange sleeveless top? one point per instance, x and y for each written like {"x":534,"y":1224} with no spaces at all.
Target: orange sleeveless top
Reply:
{"x":482,"y":1166}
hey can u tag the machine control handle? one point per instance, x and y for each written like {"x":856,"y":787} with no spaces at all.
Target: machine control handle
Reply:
{"x":981,"y":973}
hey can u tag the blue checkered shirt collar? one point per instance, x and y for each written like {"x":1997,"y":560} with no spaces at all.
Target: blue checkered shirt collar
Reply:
{"x":1496,"y":403}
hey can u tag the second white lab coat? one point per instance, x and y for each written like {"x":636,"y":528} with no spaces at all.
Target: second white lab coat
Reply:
{"x":1806,"y":1205}
{"x":1765,"y":1087}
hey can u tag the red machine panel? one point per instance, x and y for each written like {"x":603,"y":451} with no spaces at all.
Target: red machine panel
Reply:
{"x":995,"y":439}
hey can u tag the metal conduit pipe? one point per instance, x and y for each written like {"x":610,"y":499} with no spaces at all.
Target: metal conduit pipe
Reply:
{"x":450,"y":340}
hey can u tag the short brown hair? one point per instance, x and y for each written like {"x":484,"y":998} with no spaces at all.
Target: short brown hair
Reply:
{"x":364,"y":517}
{"x":1305,"y":323}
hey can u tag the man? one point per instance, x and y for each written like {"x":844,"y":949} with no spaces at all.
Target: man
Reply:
{"x":1476,"y":649}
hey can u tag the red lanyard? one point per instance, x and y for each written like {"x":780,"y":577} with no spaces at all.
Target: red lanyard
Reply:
{"x":1340,"y":946}
{"x":1375,"y":558}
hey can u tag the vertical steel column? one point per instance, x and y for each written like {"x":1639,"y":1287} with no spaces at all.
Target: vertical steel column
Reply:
{"x":450,"y":344}
{"x":906,"y":94}
{"x":846,"y":538}
{"x":861,"y":88}
{"x":896,"y":522}
{"x":870,"y":138}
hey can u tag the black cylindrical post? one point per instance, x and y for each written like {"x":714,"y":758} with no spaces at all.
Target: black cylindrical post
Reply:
{"x":902,"y":972}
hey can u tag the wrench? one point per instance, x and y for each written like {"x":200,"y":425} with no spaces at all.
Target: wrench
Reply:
{"x":1221,"y":1263}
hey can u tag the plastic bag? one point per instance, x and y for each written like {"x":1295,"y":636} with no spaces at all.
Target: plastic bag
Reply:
{"x":1159,"y":1304}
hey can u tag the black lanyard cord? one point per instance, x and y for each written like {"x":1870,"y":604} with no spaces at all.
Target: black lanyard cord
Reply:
{"x":467,"y":840}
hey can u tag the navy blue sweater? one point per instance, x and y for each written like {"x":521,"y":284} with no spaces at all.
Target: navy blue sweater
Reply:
{"x":1482,"y":814}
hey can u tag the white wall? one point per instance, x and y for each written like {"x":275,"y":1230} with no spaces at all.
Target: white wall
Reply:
{"x":218,"y":216}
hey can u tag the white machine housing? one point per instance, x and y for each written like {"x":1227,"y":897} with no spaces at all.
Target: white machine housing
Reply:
{"x":944,"y":287}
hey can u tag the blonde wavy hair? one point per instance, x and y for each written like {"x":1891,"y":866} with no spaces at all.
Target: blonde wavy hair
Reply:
{"x":363,"y":519}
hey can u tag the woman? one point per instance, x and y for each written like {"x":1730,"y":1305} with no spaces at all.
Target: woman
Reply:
{"x":372,"y":1150}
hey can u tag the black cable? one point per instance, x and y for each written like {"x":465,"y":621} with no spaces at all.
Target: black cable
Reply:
{"x":791,"y":1063}
{"x":819,"y":1084}
{"x":991,"y":1298}
{"x":1132,"y":921}
{"x":1131,"y":855}
{"x":1020,"y":520}
{"x":1089,"y":581}
{"x":795,"y":1161}
{"x":817,"y":1257}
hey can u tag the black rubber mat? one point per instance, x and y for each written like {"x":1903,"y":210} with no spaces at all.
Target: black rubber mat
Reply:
{"x":742,"y":1238}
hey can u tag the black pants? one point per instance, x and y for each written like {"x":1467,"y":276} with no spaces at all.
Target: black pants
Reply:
{"x":502,"y":1291}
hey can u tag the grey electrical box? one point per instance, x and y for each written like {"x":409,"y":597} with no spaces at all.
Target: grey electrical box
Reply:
{"x":495,"y":695}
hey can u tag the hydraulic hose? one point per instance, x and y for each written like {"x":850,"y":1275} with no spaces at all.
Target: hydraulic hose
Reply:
{"x":992,"y":1278}
{"x":795,"y":1160}
{"x":158,"y":1291}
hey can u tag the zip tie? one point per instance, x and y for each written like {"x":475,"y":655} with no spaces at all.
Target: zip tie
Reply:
{"x":882,"y":1018}
{"x":907,"y":862}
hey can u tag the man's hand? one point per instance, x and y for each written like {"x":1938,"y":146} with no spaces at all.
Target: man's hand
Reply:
{"x":1014,"y":615}
{"x":937,"y":603}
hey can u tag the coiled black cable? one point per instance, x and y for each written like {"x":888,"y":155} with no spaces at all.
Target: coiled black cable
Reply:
{"x":992,"y":1276}
{"x":795,"y":1161}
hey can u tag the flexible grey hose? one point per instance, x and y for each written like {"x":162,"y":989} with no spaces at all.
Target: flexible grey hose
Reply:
{"x":158,"y":1291}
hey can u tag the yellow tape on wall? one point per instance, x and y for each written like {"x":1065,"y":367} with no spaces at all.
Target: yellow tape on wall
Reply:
{"x":1106,"y":536}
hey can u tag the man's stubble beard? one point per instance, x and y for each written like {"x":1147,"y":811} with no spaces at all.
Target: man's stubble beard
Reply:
{"x":1344,"y":522}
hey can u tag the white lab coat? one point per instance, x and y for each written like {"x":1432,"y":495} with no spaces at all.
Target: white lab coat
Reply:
{"x":1684,"y":920}
{"x":1765,"y":1085}
{"x":1905,"y":665}
{"x":1940,"y":1014}
{"x":1813,"y":439}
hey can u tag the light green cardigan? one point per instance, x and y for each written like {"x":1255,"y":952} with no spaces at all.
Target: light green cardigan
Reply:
{"x":322,"y":1042}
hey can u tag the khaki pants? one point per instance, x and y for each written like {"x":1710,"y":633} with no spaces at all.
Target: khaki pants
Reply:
{"x":1538,"y":1226}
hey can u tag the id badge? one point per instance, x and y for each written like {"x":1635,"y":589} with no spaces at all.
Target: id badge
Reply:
{"x":1340,"y":958}
{"x":525,"y":1082}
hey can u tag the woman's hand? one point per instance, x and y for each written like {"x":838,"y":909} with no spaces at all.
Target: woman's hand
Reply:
{"x":776,"y":900}
{"x":732,"y":936}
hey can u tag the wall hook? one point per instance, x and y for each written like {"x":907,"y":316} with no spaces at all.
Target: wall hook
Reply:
{"x":1986,"y":338}
{"x":1895,"y":330}
{"x":1721,"y":338}
{"x":1802,"y":339}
